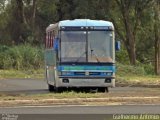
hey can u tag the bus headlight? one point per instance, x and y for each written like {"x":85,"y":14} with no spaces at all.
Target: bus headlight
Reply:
{"x":107,"y":80}
{"x":66,"y":73}
{"x":107,"y":73}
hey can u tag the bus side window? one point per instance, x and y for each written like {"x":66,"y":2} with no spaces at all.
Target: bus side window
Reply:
{"x":49,"y":43}
{"x":46,"y":40}
{"x":53,"y":38}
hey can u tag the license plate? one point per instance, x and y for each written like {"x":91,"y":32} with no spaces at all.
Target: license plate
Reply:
{"x":86,"y":73}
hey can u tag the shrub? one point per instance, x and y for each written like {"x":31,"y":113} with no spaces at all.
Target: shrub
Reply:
{"x":123,"y":70}
{"x":21,"y":57}
{"x":140,"y":69}
{"x":149,"y":69}
{"x":122,"y":56}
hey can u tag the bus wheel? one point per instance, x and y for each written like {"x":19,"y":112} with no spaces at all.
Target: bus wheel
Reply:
{"x":94,"y":90}
{"x":103,"y":89}
{"x":58,"y":89}
{"x":50,"y":88}
{"x":107,"y":89}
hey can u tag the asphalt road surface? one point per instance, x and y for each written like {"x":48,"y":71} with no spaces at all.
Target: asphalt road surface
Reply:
{"x":78,"y":112}
{"x":33,"y":86}
{"x":28,"y":86}
{"x":62,"y":109}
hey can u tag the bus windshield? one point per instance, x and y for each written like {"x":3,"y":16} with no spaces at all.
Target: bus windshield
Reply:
{"x":100,"y":46}
{"x":76,"y":45}
{"x":73,"y":46}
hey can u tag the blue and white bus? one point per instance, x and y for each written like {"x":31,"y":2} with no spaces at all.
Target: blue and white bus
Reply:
{"x":80,"y":53}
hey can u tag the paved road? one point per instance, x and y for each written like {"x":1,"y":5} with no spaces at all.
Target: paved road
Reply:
{"x":32,"y":86}
{"x":78,"y":112}
{"x":117,"y":109}
{"x":29,"y":86}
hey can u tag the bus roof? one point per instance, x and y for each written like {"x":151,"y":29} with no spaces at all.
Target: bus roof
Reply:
{"x":79,"y":23}
{"x":84,"y":22}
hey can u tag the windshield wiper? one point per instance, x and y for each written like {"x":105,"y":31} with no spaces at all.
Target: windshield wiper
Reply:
{"x":92,"y":53}
{"x":80,"y":56}
{"x":95,"y":55}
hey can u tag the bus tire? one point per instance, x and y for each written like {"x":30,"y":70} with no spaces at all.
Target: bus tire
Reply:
{"x":58,"y":89}
{"x":103,"y":89}
{"x":51,"y":88}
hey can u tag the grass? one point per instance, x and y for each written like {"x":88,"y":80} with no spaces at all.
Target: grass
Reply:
{"x":143,"y":92}
{"x":138,"y":75}
{"x":114,"y":98}
{"x":63,"y":95}
{"x":12,"y":73}
{"x":148,"y":80}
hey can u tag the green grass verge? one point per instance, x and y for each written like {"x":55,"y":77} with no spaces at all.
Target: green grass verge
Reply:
{"x":148,"y":80}
{"x":144,"y":92}
{"x":63,"y":95}
{"x":33,"y":74}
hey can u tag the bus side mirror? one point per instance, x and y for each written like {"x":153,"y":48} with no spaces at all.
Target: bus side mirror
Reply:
{"x":118,"y":45}
{"x":56,"y":45}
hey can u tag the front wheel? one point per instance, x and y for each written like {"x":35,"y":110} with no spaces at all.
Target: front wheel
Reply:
{"x":103,"y":89}
{"x":58,"y":89}
{"x":51,"y":88}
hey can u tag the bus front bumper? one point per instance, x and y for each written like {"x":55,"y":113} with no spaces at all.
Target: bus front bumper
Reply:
{"x":85,"y":82}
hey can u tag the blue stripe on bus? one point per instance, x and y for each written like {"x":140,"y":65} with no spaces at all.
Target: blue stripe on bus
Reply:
{"x":86,"y":68}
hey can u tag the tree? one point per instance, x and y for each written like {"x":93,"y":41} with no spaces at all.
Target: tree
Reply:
{"x":157,"y":37}
{"x":4,"y":37}
{"x":25,"y":21}
{"x":127,"y":22}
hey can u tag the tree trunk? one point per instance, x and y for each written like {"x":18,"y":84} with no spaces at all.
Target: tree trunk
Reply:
{"x":157,"y":54}
{"x":34,"y":13}
{"x":157,"y":38}
{"x":34,"y":6}
{"x":131,"y":43}
{"x":130,"y":37}
{"x":158,"y":71}
{"x":132,"y":54}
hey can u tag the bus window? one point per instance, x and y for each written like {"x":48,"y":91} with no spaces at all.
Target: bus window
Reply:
{"x":46,"y":42}
{"x":73,"y":46}
{"x":51,"y":40}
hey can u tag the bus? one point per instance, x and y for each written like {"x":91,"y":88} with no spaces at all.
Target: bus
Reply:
{"x":80,"y":53}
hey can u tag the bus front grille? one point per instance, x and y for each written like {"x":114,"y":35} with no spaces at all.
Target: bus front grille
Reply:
{"x":79,"y":73}
{"x":94,"y":73}
{"x":87,"y":73}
